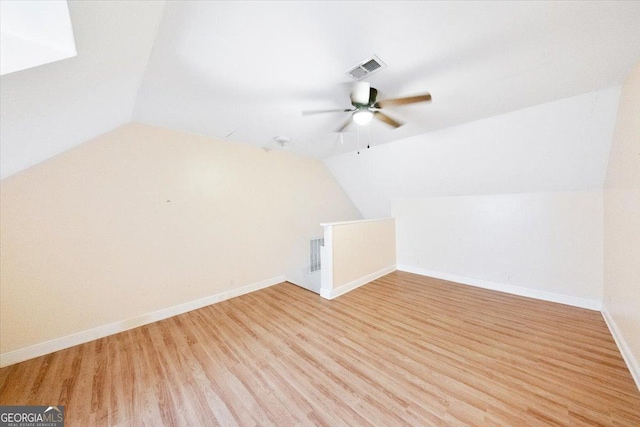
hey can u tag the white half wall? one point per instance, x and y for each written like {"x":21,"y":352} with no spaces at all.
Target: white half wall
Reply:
{"x":545,"y":245}
{"x":355,"y":253}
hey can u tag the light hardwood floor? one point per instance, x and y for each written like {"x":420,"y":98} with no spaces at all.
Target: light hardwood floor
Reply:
{"x":403,"y":350}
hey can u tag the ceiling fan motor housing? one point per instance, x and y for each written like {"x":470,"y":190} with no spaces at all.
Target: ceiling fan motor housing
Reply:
{"x":364,"y":96}
{"x":360,"y":94}
{"x":366,"y":107}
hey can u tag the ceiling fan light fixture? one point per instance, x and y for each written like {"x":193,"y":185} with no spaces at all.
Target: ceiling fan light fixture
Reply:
{"x":362,"y":117}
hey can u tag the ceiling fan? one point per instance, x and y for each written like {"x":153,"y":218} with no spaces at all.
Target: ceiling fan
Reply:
{"x":366,"y":107}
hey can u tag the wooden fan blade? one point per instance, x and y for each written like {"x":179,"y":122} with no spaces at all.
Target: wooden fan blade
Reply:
{"x":386,"y":119}
{"x":345,"y":125}
{"x":312,"y":112}
{"x":373,"y":94}
{"x":403,"y":101}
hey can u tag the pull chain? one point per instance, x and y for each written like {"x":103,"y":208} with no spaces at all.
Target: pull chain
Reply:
{"x":369,"y":136}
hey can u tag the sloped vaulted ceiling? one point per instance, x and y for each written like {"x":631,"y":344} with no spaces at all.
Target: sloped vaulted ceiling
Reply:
{"x":558,"y":146}
{"x":48,"y":109}
{"x":248,"y":69}
{"x":244,"y":71}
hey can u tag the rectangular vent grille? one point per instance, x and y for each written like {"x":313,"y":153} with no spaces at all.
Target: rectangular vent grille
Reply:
{"x":371,"y":66}
{"x":314,"y":254}
{"x":366,"y":68}
{"x":358,"y":73}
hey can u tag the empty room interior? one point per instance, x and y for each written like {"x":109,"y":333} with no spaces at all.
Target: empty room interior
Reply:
{"x":367,"y":213}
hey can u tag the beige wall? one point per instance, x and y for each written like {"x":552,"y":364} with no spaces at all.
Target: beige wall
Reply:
{"x":622,"y":219}
{"x":361,"y":249}
{"x":145,"y":218}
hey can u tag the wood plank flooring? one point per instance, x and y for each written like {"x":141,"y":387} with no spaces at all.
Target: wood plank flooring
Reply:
{"x":402,"y":350}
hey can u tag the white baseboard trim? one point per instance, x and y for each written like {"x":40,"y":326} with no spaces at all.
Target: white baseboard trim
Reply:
{"x":40,"y":349}
{"x":333,"y":293}
{"x":632,"y":363}
{"x":510,"y":289}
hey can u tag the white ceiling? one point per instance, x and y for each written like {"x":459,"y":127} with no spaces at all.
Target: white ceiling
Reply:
{"x":251,"y":67}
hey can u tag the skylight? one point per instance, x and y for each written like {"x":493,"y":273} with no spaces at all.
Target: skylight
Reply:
{"x":34,"y":33}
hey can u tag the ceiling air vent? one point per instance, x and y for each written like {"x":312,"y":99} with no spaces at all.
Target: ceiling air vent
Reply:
{"x":366,"y":68}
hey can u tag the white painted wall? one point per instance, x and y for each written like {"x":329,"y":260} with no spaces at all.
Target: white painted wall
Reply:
{"x":144,"y":219}
{"x":549,"y":244}
{"x":558,"y":146}
{"x":622,"y":227}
